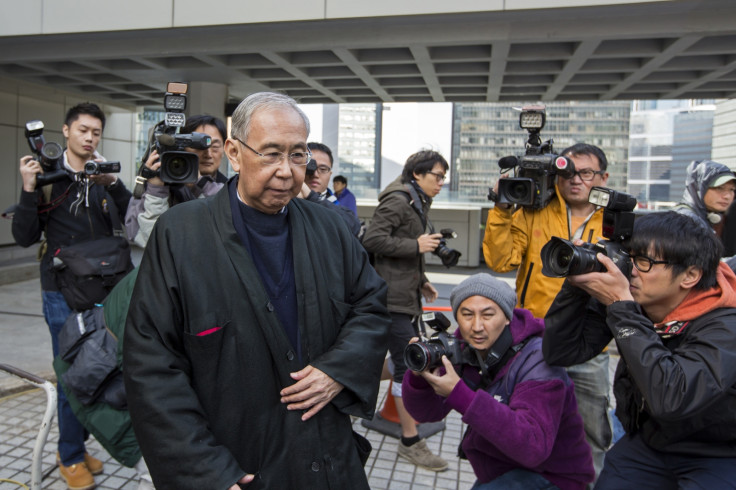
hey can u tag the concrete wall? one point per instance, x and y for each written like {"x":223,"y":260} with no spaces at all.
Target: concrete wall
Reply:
{"x":30,"y":17}
{"x":22,"y":102}
{"x":724,"y":133}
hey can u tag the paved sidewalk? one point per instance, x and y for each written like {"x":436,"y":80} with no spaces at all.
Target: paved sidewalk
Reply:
{"x":21,"y":415}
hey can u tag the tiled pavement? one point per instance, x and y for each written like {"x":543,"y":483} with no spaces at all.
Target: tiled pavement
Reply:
{"x":21,"y":415}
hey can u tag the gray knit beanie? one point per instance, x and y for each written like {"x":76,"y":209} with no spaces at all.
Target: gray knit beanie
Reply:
{"x":486,"y":285}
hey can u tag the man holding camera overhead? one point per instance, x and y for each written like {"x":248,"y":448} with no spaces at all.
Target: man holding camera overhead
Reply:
{"x":74,"y":208}
{"x":514,"y":240}
{"x":397,"y":237}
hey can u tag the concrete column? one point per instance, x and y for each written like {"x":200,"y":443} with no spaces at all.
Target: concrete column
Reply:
{"x":207,"y":98}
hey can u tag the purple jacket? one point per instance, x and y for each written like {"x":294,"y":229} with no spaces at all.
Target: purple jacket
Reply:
{"x":527,"y":418}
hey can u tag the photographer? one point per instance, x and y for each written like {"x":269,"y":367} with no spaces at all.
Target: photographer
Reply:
{"x":514,"y":240}
{"x":524,"y":429}
{"x":674,"y":323}
{"x":397,"y":237}
{"x":75,"y":209}
{"x":158,"y":197}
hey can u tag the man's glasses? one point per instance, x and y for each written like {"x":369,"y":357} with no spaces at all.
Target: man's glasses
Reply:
{"x":644,"y":263}
{"x":439,"y":177}
{"x":297,"y":158}
{"x":323,"y":170}
{"x":586,"y":174}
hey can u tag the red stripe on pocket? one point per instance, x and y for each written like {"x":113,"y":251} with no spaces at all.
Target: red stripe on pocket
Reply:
{"x":207,"y":332}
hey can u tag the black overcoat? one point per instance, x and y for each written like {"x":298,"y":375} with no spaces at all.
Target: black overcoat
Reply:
{"x":206,"y":408}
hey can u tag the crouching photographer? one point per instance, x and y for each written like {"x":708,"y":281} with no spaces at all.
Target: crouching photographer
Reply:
{"x":674,"y":323}
{"x":524,"y":429}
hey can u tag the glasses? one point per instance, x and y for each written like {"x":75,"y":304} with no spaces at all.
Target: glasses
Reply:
{"x":297,"y":159}
{"x":586,"y":174}
{"x":323,"y":169}
{"x":644,"y":263}
{"x":439,"y":177}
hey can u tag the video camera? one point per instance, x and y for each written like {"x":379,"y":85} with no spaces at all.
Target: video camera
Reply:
{"x":177,"y":166}
{"x":561,"y":258}
{"x":49,"y":154}
{"x":533,"y":184}
{"x":421,"y":356}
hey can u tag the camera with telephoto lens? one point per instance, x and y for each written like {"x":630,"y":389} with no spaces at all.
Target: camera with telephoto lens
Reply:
{"x":96,"y":168}
{"x":561,"y":258}
{"x":533,"y":184}
{"x":49,"y":154}
{"x":421,"y":356}
{"x":177,"y":165}
{"x":448,"y":256}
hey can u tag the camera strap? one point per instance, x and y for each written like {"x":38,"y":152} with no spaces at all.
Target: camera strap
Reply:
{"x":416,"y":203}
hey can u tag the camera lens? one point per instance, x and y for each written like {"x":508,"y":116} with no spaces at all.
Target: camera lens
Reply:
{"x":177,"y":168}
{"x":448,"y":255}
{"x":91,"y":168}
{"x":417,"y":356}
{"x":518,"y":192}
{"x":560,"y":258}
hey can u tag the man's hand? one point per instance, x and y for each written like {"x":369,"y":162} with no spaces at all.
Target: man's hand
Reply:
{"x":304,"y":192}
{"x":606,"y":287}
{"x":442,"y":385}
{"x":429,"y":292}
{"x":428,"y":243}
{"x":312,"y":391}
{"x":246,"y":479}
{"x":154,"y":164}
{"x":29,"y":169}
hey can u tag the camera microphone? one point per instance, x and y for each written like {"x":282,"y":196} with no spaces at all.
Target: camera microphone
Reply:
{"x":508,"y":162}
{"x":166,"y":139}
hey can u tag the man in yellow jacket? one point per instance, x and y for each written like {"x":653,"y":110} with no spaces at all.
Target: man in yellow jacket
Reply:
{"x":514,"y":239}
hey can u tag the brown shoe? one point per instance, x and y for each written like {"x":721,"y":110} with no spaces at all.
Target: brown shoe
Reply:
{"x":77,"y":476}
{"x":94,"y":465}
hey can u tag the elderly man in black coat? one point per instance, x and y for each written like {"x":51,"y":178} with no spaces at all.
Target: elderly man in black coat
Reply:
{"x":257,"y":326}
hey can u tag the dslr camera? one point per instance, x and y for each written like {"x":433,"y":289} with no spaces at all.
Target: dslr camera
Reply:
{"x":561,"y":258}
{"x":49,"y":154}
{"x":421,"y":356}
{"x":448,"y":256}
{"x":533,"y":184}
{"x":177,"y":165}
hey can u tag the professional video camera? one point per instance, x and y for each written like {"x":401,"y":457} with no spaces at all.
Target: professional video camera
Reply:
{"x":421,"y":356}
{"x":533,"y":184}
{"x":177,"y":166}
{"x":561,"y":258}
{"x":49,"y":154}
{"x":448,"y":256}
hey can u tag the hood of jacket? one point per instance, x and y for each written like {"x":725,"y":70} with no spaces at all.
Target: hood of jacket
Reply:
{"x":524,"y":325}
{"x":699,"y":175}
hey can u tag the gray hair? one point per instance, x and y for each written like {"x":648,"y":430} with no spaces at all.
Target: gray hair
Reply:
{"x":261,"y":100}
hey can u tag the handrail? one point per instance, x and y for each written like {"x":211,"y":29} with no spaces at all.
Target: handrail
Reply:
{"x":48,"y":417}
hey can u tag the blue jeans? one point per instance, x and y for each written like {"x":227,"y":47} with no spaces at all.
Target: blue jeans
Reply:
{"x":71,"y":433}
{"x":631,"y":463}
{"x":516,"y":480}
{"x":591,"y":392}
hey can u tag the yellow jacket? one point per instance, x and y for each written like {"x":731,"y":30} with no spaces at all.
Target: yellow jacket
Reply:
{"x":515,"y":239}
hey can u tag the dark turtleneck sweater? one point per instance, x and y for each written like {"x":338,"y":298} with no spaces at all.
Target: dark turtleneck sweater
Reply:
{"x":268,"y":240}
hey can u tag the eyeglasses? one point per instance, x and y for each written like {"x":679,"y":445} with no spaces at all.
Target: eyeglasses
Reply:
{"x":644,"y":263}
{"x":586,"y":174}
{"x":439,"y":177}
{"x":297,"y":159}
{"x":323,"y":169}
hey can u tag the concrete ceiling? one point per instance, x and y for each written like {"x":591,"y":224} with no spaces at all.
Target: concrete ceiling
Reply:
{"x":679,"y":49}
